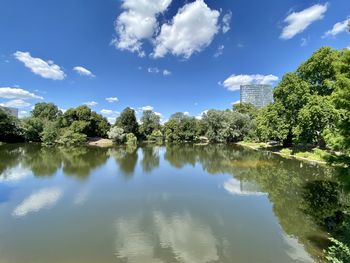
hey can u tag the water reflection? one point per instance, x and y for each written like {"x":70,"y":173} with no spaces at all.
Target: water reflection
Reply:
{"x":42,"y":199}
{"x":178,"y":236}
{"x":308,"y":201}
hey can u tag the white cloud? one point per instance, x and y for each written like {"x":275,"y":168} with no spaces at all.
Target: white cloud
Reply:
{"x":186,"y":113}
{"x":145,"y":108}
{"x":44,"y":198}
{"x":17,"y":93}
{"x":18,"y":103}
{"x":90,"y":103}
{"x":15,"y":174}
{"x":166,"y":72}
{"x":304,"y":42}
{"x":191,"y":29}
{"x":236,"y":187}
{"x":226,"y":21}
{"x":137,"y":22}
{"x":153,"y":70}
{"x":235,"y":81}
{"x":83,"y":71}
{"x":112,"y":99}
{"x":338,"y":28}
{"x":235,"y":102}
{"x":219,"y":51}
{"x":297,"y":22}
{"x":45,"y":69}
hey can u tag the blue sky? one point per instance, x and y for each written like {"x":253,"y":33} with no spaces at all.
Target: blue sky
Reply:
{"x":171,"y":56}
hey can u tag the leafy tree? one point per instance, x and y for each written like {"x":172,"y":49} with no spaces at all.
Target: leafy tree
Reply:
{"x":156,"y":136}
{"x":127,"y":121}
{"x":150,"y":122}
{"x":316,"y":116}
{"x":181,"y":128}
{"x":246,"y":108}
{"x":32,"y":127}
{"x":47,"y":111}
{"x":50,"y":133}
{"x":131,"y":139}
{"x":69,"y":137}
{"x":116,"y":134}
{"x":9,"y":128}
{"x":320,"y":70}
{"x":338,"y":252}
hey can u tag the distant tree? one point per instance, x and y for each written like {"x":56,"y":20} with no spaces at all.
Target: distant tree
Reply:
{"x":246,"y":108}
{"x":50,"y":133}
{"x":127,"y":121}
{"x":47,"y":111}
{"x":32,"y":128}
{"x":9,"y":128}
{"x":69,"y":137}
{"x":150,"y":121}
{"x":131,"y":139}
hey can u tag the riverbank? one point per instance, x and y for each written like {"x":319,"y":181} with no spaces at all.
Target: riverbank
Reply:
{"x":315,"y":155}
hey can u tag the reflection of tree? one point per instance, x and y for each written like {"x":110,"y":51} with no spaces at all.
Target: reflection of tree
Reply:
{"x":150,"y":159}
{"x":179,"y":155}
{"x":82,"y":160}
{"x":10,"y":156}
{"x":126,"y":157}
{"x":41,"y":160}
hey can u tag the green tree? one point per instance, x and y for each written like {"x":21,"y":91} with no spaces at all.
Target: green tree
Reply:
{"x":150,"y":121}
{"x":32,"y":128}
{"x":127,"y":121}
{"x":9,"y":128}
{"x":246,"y":108}
{"x":47,"y":111}
{"x":50,"y":133}
{"x":117,"y":135}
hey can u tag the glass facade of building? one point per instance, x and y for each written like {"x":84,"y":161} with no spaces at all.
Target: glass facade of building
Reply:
{"x":256,"y":94}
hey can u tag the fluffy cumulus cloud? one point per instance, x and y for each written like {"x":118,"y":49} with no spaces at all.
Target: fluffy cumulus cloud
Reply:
{"x":18,"y":103}
{"x":191,"y":29}
{"x":234,"y":82}
{"x":45,"y":69}
{"x":297,"y":22}
{"x":17,"y":93}
{"x":226,"y":22}
{"x":112,"y":99}
{"x":137,"y":22}
{"x":145,"y":108}
{"x":338,"y":28}
{"x":83,"y":71}
{"x":90,"y":103}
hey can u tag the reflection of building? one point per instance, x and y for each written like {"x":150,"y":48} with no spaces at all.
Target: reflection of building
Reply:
{"x":258,"y":95}
{"x":11,"y":111}
{"x":237,"y":187}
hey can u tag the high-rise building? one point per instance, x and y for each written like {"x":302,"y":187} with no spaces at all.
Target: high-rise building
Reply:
{"x":257,"y":94}
{"x":11,"y":111}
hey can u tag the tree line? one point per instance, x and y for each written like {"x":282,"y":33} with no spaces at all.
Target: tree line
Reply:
{"x":311,"y":107}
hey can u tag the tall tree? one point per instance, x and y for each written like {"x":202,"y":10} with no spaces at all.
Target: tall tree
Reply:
{"x":127,"y":121}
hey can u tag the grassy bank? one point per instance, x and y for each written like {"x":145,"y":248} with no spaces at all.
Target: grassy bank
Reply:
{"x":301,"y":153}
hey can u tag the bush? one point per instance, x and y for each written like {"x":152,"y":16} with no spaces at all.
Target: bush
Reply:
{"x":156,"y":136}
{"x":116,"y":134}
{"x":131,"y":139}
{"x":338,"y":252}
{"x":49,"y":134}
{"x":69,"y":138}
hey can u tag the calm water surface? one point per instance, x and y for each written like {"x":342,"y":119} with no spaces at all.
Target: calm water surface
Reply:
{"x":184,"y":203}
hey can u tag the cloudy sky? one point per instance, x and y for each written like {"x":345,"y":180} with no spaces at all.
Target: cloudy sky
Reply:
{"x":164,"y":55}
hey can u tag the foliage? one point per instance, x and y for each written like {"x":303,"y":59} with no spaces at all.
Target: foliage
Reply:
{"x":156,"y":136}
{"x":338,"y":252}
{"x":127,"y":121}
{"x":116,"y":134}
{"x":131,"y":139}
{"x":227,"y":126}
{"x":9,"y":128}
{"x":69,"y":137}
{"x":246,"y":108}
{"x":47,"y":111}
{"x":150,"y":121}
{"x":50,"y":133}
{"x":32,"y":127}
{"x":181,"y":128}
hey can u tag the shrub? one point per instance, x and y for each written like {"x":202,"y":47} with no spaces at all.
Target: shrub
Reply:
{"x":156,"y":136}
{"x":338,"y":252}
{"x":50,"y":133}
{"x":131,"y":139}
{"x":116,"y":134}
{"x":68,"y":137}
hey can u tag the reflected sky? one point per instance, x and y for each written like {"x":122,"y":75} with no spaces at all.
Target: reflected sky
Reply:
{"x":173,"y":203}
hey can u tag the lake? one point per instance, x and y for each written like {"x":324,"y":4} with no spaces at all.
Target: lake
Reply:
{"x":174,"y":203}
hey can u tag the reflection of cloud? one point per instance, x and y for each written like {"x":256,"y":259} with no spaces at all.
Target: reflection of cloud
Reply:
{"x":44,"y":198}
{"x":296,"y":250}
{"x":81,"y":197}
{"x":14,"y":175}
{"x":133,"y":243}
{"x":188,"y":239}
{"x":236,"y":187}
